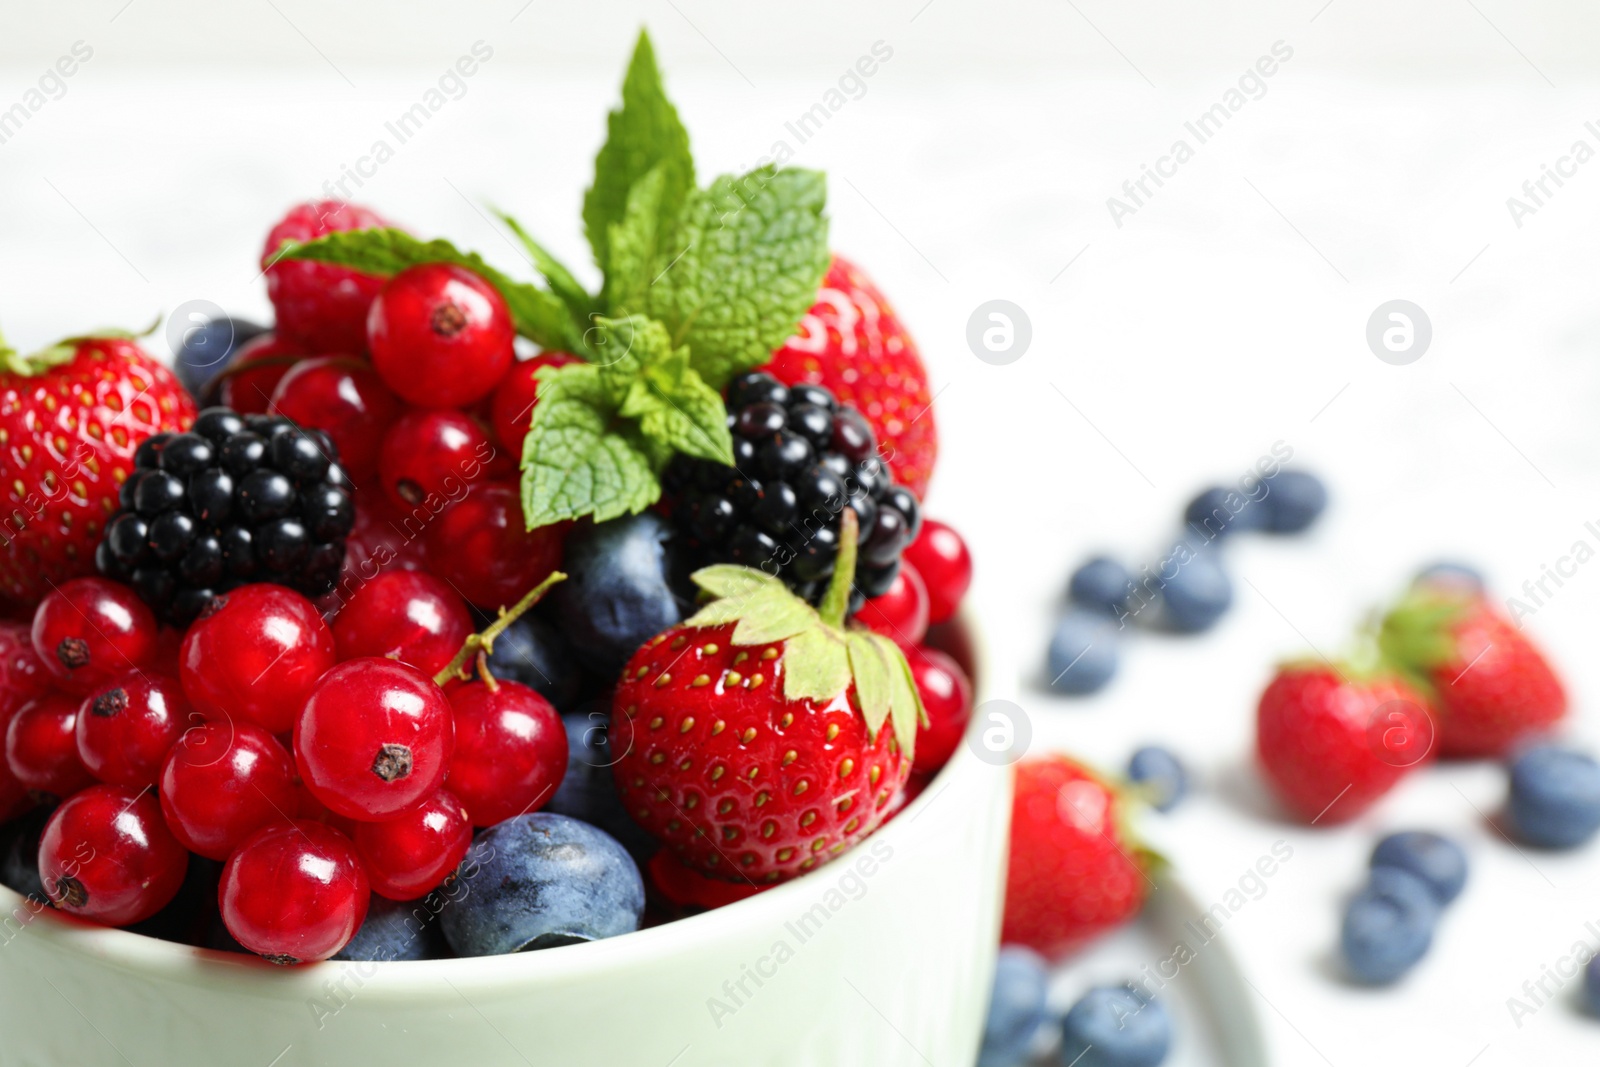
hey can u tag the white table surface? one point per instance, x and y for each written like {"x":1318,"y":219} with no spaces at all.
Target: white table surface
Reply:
{"x":1224,"y":316}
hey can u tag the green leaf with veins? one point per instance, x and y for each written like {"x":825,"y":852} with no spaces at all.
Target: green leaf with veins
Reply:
{"x":644,"y":134}
{"x":560,"y":280}
{"x":575,"y":461}
{"x":538,"y":315}
{"x":634,"y":245}
{"x":741,"y":268}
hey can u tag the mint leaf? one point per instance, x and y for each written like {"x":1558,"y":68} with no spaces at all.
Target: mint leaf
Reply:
{"x":575,"y":462}
{"x":643,"y":134}
{"x":538,"y":315}
{"x":634,"y":243}
{"x":748,"y":256}
{"x":672,"y":405}
{"x":579,"y":303}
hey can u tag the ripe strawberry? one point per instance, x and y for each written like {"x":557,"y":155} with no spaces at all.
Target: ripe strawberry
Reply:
{"x":852,"y":342}
{"x":1332,"y":741}
{"x":1488,"y":684}
{"x":70,"y":420}
{"x":1075,"y":870}
{"x":753,"y":734}
{"x":319,"y":305}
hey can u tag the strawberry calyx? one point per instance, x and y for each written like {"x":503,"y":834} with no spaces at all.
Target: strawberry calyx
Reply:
{"x":62,"y":351}
{"x":1418,"y":634}
{"x":822,"y":656}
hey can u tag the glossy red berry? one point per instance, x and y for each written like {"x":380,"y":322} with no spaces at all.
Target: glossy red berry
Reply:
{"x":483,"y":548}
{"x":410,"y":854}
{"x":434,"y":454}
{"x":89,"y":630}
{"x":294,"y":892}
{"x":374,"y":739}
{"x":251,"y":377}
{"x":42,"y":746}
{"x":409,"y":616}
{"x":344,"y":398}
{"x":941,"y":557}
{"x":125,"y":730}
{"x":222,"y":782}
{"x":23,"y":675}
{"x":255,"y":656}
{"x":511,"y":751}
{"x":901,"y":614}
{"x":107,"y":855}
{"x":440,"y":335}
{"x":318,"y":304}
{"x":511,"y":413}
{"x":947,"y":698}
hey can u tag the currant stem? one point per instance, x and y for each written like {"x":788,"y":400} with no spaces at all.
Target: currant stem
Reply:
{"x":484,"y":642}
{"x":836,"y":601}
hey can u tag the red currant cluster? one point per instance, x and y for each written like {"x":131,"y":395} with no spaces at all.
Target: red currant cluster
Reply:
{"x":263,"y":738}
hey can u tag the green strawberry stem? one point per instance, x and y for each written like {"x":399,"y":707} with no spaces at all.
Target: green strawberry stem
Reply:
{"x":483,"y":643}
{"x":836,"y":601}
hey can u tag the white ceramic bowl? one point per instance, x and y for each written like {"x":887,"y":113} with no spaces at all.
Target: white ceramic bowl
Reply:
{"x":882,"y":958}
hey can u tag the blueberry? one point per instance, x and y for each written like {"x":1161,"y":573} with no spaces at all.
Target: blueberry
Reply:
{"x":533,"y":652}
{"x":1555,"y":797}
{"x":621,"y":590}
{"x":1219,"y":511}
{"x":539,"y":881}
{"x":1388,"y":926}
{"x":1451,"y":575}
{"x":1294,"y":500}
{"x":1114,"y":1026}
{"x":1016,"y":1007}
{"x":207,"y":348}
{"x":1591,"y":987}
{"x":1197,"y":595}
{"x":1101,"y":583}
{"x":1438,"y":861}
{"x":589,"y":790}
{"x":1163,"y":777}
{"x":1083,"y":652}
{"x":398,"y":930}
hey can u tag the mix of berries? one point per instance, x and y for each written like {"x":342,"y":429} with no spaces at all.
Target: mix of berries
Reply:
{"x":800,"y":460}
{"x":1187,"y":590}
{"x":273,"y":690}
{"x":238,"y":499}
{"x":1388,"y":925}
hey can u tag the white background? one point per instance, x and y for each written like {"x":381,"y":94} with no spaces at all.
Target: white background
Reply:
{"x":1227,"y":314}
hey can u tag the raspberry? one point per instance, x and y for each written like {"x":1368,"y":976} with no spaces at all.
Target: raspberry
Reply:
{"x":320,"y":306}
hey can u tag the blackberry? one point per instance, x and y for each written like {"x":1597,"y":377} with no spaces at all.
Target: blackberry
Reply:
{"x":236,"y":500}
{"x":800,"y":459}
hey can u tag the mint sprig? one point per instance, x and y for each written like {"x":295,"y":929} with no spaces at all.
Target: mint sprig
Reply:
{"x":602,"y":431}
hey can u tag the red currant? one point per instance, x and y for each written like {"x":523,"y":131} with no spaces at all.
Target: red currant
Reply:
{"x":432,"y":454}
{"x":941,"y":557}
{"x":410,"y":616}
{"x":42,"y":746}
{"x":106,"y":855}
{"x":344,"y":398}
{"x":23,"y":675}
{"x":294,"y":892}
{"x":125,"y":730}
{"x":253,"y":374}
{"x":947,"y":697}
{"x":512,"y":411}
{"x":374,"y":739}
{"x":511,"y":750}
{"x":255,"y":655}
{"x":320,"y":304}
{"x":483,"y":547}
{"x":89,"y":630}
{"x":901,"y":614}
{"x":222,"y":782}
{"x":408,"y":855}
{"x":440,"y":335}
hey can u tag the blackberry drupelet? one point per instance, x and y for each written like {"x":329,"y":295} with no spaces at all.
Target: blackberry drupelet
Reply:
{"x":237,"y":499}
{"x":800,"y":459}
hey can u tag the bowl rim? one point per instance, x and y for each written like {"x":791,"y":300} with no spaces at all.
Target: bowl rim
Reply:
{"x":149,"y":956}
